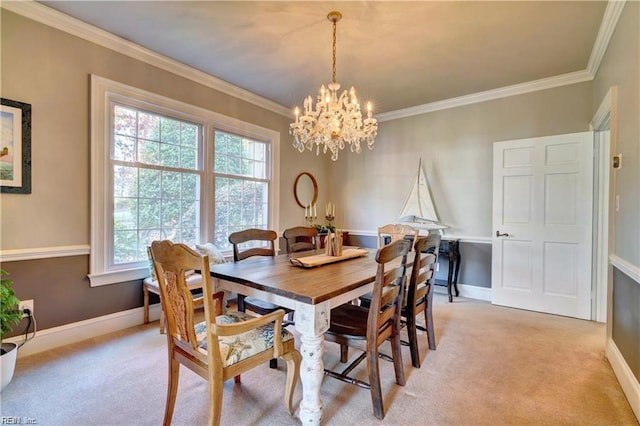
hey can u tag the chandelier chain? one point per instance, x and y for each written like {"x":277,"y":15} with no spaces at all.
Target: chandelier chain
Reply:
{"x":334,"y":51}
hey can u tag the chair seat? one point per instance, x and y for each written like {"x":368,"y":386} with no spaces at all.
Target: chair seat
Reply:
{"x":149,"y":285}
{"x":267,"y":306}
{"x":194,"y":282}
{"x":234,"y":349}
{"x":349,"y":319}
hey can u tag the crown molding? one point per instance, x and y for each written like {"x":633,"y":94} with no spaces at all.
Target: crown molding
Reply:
{"x":503,"y":92}
{"x":607,"y":26}
{"x":45,"y":15}
{"x":60,"y":21}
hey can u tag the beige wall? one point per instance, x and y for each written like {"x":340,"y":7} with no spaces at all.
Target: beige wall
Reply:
{"x":456,"y":147}
{"x":50,"y":70}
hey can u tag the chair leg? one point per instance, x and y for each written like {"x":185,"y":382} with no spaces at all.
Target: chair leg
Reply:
{"x":396,"y":349}
{"x":293,"y":360}
{"x":413,"y":340}
{"x":172,"y":389}
{"x":428,"y":317}
{"x":241,"y":307}
{"x":374,"y":381}
{"x":145,"y":293}
{"x":215,"y":401}
{"x":344,"y":353}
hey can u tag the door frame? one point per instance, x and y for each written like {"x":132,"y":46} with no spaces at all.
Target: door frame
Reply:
{"x":606,"y":117}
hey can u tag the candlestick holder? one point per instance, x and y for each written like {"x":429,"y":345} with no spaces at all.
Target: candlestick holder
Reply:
{"x":311,"y":219}
{"x":330,"y":218}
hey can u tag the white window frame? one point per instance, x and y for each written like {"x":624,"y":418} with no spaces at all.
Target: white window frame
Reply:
{"x":103,"y":92}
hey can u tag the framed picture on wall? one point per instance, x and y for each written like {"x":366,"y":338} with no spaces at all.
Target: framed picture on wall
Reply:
{"x":15,"y":147}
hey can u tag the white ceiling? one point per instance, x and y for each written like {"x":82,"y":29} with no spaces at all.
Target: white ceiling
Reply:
{"x":397,"y":54}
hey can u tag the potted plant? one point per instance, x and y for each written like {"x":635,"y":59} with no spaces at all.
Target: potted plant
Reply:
{"x":10,"y":315}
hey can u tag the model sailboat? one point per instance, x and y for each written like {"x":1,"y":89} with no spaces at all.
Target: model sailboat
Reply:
{"x":418,"y":209}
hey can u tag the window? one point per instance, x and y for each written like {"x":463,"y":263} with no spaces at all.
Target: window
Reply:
{"x":242,"y":185}
{"x":156,"y":181}
{"x":162,"y":169}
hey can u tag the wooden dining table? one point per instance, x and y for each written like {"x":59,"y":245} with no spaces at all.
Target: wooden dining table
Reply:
{"x":311,"y":292}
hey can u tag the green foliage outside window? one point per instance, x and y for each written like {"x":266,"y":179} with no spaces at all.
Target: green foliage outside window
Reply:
{"x":157,"y":180}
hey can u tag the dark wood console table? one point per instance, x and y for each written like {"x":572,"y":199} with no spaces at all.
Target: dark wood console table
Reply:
{"x":451,"y":249}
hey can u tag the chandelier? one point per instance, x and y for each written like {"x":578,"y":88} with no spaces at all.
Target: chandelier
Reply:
{"x":334,"y":122}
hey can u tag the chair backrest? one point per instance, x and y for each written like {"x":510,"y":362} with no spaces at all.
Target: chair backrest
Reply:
{"x":172,"y":262}
{"x":301,"y":238}
{"x":388,"y":290}
{"x":250,"y":237}
{"x":423,"y":272}
{"x":397,"y":232}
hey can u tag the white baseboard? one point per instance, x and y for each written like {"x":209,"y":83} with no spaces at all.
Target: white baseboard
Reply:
{"x":628,"y":382}
{"x":71,"y":333}
{"x":469,"y":291}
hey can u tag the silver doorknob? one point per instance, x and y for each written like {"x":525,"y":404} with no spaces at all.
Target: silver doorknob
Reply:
{"x":498,"y":234}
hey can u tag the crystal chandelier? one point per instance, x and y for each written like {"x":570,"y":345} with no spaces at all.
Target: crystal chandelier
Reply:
{"x":334,"y":122}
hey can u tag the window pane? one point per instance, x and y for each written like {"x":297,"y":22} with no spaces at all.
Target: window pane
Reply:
{"x":234,"y":144}
{"x":149,"y":184}
{"x":125,"y":246}
{"x":170,"y":131}
{"x":190,"y":187}
{"x":189,"y":137}
{"x":171,"y":185}
{"x":169,"y":155}
{"x":124,"y":121}
{"x":125,"y":181}
{"x":124,"y":148}
{"x":148,"y":126}
{"x":125,"y":213}
{"x":189,"y":158}
{"x":148,"y":152}
{"x":149,"y":214}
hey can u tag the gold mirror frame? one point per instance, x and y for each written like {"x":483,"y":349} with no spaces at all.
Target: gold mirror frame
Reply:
{"x":296,"y":190}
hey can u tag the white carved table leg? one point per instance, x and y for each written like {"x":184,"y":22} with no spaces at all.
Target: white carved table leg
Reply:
{"x":311,"y":321}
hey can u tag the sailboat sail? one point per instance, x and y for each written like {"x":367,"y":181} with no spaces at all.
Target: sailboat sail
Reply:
{"x":418,"y":207}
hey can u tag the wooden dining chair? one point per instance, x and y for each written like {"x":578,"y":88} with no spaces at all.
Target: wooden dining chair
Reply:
{"x":367,"y":329}
{"x":419,"y":294}
{"x":388,"y":234}
{"x":396,"y":231}
{"x":301,"y":238}
{"x":248,"y":243}
{"x":221,"y":346}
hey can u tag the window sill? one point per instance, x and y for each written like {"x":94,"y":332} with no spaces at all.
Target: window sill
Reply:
{"x":115,"y":277}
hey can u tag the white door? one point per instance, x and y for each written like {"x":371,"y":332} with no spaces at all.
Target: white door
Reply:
{"x":542,"y":224}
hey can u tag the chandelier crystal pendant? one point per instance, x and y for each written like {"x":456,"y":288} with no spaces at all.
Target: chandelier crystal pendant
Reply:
{"x":335,"y":121}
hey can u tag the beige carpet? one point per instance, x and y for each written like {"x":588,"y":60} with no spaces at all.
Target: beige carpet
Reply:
{"x":493,"y":366}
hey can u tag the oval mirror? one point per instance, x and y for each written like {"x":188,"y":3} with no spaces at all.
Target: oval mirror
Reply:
{"x":305,"y":189}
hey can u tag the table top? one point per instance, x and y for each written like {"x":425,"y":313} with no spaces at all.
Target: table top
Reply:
{"x":278,"y":276}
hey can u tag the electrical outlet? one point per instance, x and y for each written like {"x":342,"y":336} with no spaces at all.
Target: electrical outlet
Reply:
{"x":26,"y":304}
